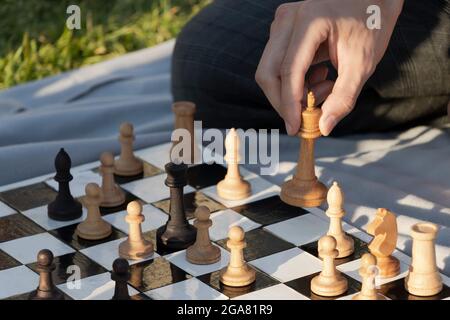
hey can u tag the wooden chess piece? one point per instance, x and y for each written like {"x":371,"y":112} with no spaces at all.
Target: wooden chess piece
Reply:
{"x":304,"y":189}
{"x":203,"y":251}
{"x":335,"y":211}
{"x":120,"y":275}
{"x":113,"y":196}
{"x":93,"y":227}
{"x":368,"y":273}
{"x":423,"y":278}
{"x":135,"y":247}
{"x":384,"y":230}
{"x":233,"y":186}
{"x":177,"y":233}
{"x":329,"y":282}
{"x":46,"y":289}
{"x":184,"y":119}
{"x":64,"y":207}
{"x":127,"y":164}
{"x":237,"y":273}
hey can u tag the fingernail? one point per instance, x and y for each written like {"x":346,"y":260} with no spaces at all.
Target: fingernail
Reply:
{"x":329,"y":124}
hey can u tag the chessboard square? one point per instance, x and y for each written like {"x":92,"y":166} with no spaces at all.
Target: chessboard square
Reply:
{"x":98,"y":287}
{"x":79,"y":182}
{"x":69,"y":265}
{"x":6,"y":210}
{"x":205,"y":175}
{"x":27,"y":197}
{"x":158,"y":155}
{"x":16,"y":281}
{"x":6,"y":261}
{"x":288,"y":265}
{"x":25,"y":249}
{"x":269,"y":210}
{"x":299,"y":230}
{"x":17,"y":226}
{"x":223,"y":220}
{"x":105,"y":253}
{"x":179,"y":259}
{"x":109,"y":210}
{"x":152,"y":189}
{"x":261,"y":189}
{"x":40,"y":216}
{"x":395,"y":290}
{"x":276,"y":292}
{"x":191,"y":289}
{"x":154,"y":218}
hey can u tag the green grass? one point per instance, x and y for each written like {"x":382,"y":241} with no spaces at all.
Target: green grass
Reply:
{"x":35,"y":43}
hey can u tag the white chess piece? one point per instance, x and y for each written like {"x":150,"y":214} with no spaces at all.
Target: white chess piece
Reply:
{"x":127,"y":164}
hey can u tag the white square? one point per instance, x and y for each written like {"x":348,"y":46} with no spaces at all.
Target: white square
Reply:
{"x":79,"y":182}
{"x":276,"y":292}
{"x":191,"y":289}
{"x":105,"y":253}
{"x":299,"y":230}
{"x":16,"y":281}
{"x":288,"y":265}
{"x":223,"y":220}
{"x":158,"y":156}
{"x":261,"y":189}
{"x":40,"y":216}
{"x":179,"y":259}
{"x":152,"y":189}
{"x":25,"y":249}
{"x":98,"y":287}
{"x":5,"y":210}
{"x":154,"y":218}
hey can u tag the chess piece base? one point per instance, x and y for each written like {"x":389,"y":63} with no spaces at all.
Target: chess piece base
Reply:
{"x":388,"y":267}
{"x":46,"y":295}
{"x":306,"y":194}
{"x":66,"y":212}
{"x":136,"y":251}
{"x":97,"y":231}
{"x":205,"y":255}
{"x":234,"y":189}
{"x":345,"y":245}
{"x":178,"y":239}
{"x":115,"y":201}
{"x":128,"y":168}
{"x":360,"y":296}
{"x":237,"y":277}
{"x":329,"y":287}
{"x":423,"y":285}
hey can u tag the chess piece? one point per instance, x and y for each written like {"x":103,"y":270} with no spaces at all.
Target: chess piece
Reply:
{"x":237,"y":273}
{"x":368,"y":272}
{"x":233,"y":186}
{"x":335,"y":211}
{"x":135,"y":247}
{"x":120,"y":275}
{"x":93,"y":227}
{"x":423,"y":278}
{"x":304,"y":189}
{"x":64,"y":207}
{"x":184,"y":119}
{"x":177,"y":233}
{"x":127,"y":164}
{"x":113,"y":196}
{"x":203,"y":251}
{"x":329,"y":282}
{"x":46,"y":289}
{"x":384,"y":230}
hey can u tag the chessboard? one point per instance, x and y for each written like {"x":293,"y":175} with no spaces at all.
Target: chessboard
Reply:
{"x":282,"y":240}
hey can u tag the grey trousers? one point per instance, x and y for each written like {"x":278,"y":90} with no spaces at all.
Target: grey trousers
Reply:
{"x":217,"y":53}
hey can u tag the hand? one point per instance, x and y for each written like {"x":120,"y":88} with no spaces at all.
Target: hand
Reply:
{"x":307,"y":33}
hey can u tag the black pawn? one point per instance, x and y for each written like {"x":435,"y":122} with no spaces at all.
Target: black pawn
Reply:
{"x":177,"y":233}
{"x":64,"y":207}
{"x":121,"y":276}
{"x":46,"y":289}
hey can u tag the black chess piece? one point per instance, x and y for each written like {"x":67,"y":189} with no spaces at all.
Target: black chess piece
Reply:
{"x":177,"y":233}
{"x":64,"y":207}
{"x":121,"y":275}
{"x":46,"y":289}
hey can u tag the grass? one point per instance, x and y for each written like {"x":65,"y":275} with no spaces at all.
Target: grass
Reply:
{"x":35,"y":43}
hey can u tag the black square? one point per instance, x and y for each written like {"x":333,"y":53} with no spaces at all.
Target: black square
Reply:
{"x":395,"y":290}
{"x":269,"y":210}
{"x":260,"y":243}
{"x":67,"y":235}
{"x":7,"y":262}
{"x":303,"y":286}
{"x":128,"y":198}
{"x":28,"y":197}
{"x":205,"y":175}
{"x":360,"y":246}
{"x":262,"y":281}
{"x":16,"y":226}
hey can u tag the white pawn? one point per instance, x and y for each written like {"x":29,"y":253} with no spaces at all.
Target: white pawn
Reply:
{"x":368,"y":273}
{"x":335,"y":211}
{"x":113,"y":196}
{"x":127,"y":164}
{"x":135,"y":247}
{"x":233,"y":186}
{"x":93,"y":227}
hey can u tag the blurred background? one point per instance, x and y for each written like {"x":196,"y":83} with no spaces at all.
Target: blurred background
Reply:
{"x":35,"y":43}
